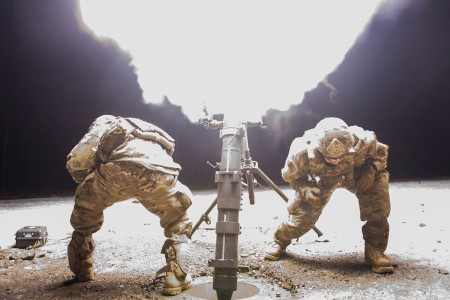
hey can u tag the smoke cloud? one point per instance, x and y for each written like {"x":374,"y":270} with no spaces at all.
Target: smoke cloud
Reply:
{"x":240,"y":57}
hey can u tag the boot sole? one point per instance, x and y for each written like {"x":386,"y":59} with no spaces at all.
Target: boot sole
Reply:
{"x":84,"y":278}
{"x":185,"y":286}
{"x":383,"y":270}
{"x":171,"y":291}
{"x":272,"y":257}
{"x":379,"y":270}
{"x":175,"y":291}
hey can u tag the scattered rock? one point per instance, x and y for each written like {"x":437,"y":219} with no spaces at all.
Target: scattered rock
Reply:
{"x":444,"y":272}
{"x":4,"y":264}
{"x":243,"y":269}
{"x":23,"y":255}
{"x":322,"y":240}
{"x":40,"y":255}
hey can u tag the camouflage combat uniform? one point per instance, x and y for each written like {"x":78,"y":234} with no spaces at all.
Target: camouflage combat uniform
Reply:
{"x":306,"y":170}
{"x":123,"y":158}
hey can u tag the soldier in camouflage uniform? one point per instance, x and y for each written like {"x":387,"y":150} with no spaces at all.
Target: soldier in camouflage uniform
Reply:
{"x":123,"y":158}
{"x":331,"y":156}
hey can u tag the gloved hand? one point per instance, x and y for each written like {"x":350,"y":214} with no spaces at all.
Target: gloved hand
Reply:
{"x":366,"y":178}
{"x":307,"y":192}
{"x":310,"y":193}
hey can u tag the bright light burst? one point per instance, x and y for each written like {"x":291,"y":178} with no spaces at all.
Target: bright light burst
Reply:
{"x":239,"y":56}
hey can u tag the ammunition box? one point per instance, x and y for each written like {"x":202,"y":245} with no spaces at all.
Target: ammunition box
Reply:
{"x":34,"y":236}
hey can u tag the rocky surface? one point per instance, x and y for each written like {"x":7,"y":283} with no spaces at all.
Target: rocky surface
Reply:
{"x":332,"y":267}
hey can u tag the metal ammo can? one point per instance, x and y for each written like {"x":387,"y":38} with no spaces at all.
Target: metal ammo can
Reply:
{"x":34,"y":236}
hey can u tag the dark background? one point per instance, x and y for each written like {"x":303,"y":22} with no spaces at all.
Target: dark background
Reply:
{"x":56,"y":78}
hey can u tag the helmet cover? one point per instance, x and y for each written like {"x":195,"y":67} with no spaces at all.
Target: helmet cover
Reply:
{"x":334,"y":138}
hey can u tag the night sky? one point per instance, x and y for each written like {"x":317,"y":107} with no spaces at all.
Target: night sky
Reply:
{"x":56,"y":79}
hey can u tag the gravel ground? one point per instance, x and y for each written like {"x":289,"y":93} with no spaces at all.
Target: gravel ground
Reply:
{"x":332,"y":267}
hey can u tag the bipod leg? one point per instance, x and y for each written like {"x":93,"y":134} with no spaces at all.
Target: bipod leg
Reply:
{"x":271,"y":184}
{"x":280,"y":192}
{"x":203,"y":218}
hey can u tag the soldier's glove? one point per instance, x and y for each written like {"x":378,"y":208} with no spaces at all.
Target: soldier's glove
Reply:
{"x":304,"y":193}
{"x":366,"y":178}
{"x":310,"y":193}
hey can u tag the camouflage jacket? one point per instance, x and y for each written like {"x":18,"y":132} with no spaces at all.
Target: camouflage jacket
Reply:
{"x":111,"y":138}
{"x":305,"y":165}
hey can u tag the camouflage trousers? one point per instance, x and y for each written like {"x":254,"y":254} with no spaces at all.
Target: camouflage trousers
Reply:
{"x":161,"y":194}
{"x":374,"y":206}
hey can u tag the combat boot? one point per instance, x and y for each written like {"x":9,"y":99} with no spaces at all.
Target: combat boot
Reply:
{"x":177,"y":276}
{"x":274,"y":251}
{"x":277,"y":247}
{"x":80,"y":254}
{"x":379,"y":262}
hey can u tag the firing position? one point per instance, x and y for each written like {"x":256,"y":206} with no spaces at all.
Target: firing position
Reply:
{"x":333,"y":155}
{"x":122,"y":158}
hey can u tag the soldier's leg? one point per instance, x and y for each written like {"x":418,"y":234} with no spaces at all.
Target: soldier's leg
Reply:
{"x":93,"y":195}
{"x":170,"y":203}
{"x":303,"y":215}
{"x":375,"y":208}
{"x":86,"y":218}
{"x":178,"y":259}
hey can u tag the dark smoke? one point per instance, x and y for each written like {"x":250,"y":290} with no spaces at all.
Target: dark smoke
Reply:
{"x":56,"y":79}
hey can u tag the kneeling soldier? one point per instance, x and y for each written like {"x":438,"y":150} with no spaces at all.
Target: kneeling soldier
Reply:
{"x":122,"y":158}
{"x":331,"y":156}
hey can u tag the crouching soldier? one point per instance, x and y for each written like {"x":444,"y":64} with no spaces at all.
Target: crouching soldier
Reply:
{"x":331,"y":156}
{"x":122,"y":158}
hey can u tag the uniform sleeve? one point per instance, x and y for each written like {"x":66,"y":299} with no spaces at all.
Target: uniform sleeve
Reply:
{"x":295,"y":165}
{"x":369,"y":151}
{"x":148,"y":131}
{"x":95,"y":147}
{"x":379,"y":157}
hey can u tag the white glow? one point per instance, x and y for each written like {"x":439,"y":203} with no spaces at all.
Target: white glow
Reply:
{"x":240,"y":56}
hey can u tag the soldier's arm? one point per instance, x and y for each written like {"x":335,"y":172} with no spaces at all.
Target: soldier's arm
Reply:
{"x":374,"y":152}
{"x":151,"y":132}
{"x":294,"y":168}
{"x":378,"y":157}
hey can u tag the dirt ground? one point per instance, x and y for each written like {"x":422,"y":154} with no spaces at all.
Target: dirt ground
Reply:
{"x":128,"y":247}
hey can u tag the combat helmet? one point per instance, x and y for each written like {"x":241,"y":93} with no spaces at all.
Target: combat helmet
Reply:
{"x":334,"y":140}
